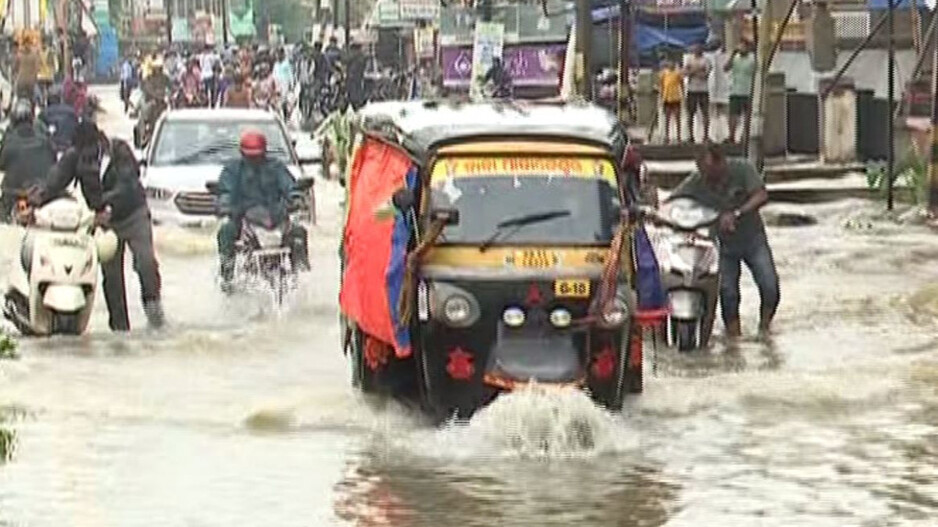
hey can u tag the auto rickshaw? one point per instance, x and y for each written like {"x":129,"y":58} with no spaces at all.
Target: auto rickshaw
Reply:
{"x":488,"y":246}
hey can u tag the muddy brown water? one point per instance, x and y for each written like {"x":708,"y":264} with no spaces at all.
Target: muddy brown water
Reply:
{"x":242,"y":414}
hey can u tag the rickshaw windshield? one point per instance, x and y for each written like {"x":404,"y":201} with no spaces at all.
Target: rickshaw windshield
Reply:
{"x":515,"y":203}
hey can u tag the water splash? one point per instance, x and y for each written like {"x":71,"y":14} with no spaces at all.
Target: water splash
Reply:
{"x":533,"y":423}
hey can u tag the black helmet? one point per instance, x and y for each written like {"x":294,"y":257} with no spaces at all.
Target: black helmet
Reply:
{"x":54,"y":95}
{"x":22,"y":112}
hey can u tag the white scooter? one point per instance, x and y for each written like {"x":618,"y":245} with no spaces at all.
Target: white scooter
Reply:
{"x":54,"y":280}
{"x":689,"y":260}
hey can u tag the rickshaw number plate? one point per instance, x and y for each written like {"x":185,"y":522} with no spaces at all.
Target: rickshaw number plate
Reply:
{"x":572,"y":288}
{"x":534,"y":259}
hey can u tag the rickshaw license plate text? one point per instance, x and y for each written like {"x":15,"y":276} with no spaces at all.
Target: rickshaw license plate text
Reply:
{"x":535,"y":259}
{"x":572,"y":288}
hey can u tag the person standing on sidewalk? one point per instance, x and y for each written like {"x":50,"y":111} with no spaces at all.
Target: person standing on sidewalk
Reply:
{"x":740,"y":66}
{"x":719,"y":85}
{"x":671,"y":87}
{"x":733,"y":187}
{"x":697,"y":69}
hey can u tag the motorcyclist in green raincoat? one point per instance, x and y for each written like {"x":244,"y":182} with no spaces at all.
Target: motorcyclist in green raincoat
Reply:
{"x":252,"y":181}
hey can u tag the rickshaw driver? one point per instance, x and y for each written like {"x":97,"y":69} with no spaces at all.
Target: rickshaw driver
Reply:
{"x":255,"y":180}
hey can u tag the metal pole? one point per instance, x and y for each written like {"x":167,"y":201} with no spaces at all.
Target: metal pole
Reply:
{"x":747,"y":123}
{"x":584,"y":42}
{"x":853,"y":56}
{"x":348,"y":23}
{"x":933,"y":165}
{"x":623,"y":94}
{"x":169,"y":21}
{"x":224,"y":22}
{"x":891,"y":96}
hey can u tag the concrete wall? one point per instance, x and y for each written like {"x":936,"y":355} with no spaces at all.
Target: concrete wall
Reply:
{"x":868,"y":70}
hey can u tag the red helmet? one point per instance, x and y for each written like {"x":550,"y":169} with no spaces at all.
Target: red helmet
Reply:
{"x":253,"y":143}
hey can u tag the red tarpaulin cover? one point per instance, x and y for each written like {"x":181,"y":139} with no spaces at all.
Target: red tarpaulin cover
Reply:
{"x":374,"y":255}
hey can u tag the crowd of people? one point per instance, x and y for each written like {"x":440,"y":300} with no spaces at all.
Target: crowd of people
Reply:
{"x":714,"y":84}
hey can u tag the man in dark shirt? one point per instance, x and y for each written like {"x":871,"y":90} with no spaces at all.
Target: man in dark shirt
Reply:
{"x":25,"y":157}
{"x":355,"y":80}
{"x":734,"y":188}
{"x":130,"y":219}
{"x":60,"y":119}
{"x":81,"y":163}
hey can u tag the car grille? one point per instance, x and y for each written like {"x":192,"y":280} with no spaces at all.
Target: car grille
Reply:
{"x":196,"y":203}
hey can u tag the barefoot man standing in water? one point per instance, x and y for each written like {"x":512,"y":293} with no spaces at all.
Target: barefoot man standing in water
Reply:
{"x":734,"y":188}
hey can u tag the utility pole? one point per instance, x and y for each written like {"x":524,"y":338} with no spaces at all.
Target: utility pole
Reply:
{"x":224,"y":22}
{"x":169,"y":21}
{"x":933,"y":166}
{"x":624,"y":91}
{"x":584,"y":43}
{"x":891,"y":96}
{"x":348,"y":24}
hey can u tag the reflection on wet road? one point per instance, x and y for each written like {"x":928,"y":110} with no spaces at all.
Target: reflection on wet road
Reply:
{"x":239,"y":414}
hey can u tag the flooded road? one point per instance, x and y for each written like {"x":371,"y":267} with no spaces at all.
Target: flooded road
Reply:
{"x":238,"y":414}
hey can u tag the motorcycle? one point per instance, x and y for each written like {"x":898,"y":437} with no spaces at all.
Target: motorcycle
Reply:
{"x":262,"y":250}
{"x":688,"y":256}
{"x":144,"y":128}
{"x":53,"y":283}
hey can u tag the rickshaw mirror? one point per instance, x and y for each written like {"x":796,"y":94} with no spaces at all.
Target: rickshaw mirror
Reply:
{"x":403,"y":199}
{"x":447,"y":216}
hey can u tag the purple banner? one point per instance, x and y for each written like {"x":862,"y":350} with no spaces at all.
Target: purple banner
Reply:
{"x":528,"y":64}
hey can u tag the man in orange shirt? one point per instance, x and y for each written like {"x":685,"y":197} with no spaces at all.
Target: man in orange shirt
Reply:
{"x":671,"y":88}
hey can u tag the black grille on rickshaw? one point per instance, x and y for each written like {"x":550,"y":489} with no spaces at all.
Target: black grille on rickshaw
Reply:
{"x":198,"y":203}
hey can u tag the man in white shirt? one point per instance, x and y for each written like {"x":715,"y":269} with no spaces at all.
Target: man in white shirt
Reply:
{"x":209,"y":62}
{"x":719,"y":85}
{"x":697,"y":69}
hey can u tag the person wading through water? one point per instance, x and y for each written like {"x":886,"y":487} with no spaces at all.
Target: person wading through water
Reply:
{"x":733,"y":187}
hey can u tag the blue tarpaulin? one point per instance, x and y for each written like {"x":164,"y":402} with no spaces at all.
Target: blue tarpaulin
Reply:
{"x":898,"y":4}
{"x":648,"y":37}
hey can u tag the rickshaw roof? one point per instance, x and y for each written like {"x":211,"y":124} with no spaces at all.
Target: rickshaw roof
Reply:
{"x":421,"y":126}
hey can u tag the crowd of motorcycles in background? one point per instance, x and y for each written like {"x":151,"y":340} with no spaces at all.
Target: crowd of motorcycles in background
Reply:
{"x":305,"y":83}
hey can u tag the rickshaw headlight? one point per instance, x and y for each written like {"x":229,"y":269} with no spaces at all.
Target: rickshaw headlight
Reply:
{"x":615,"y":313}
{"x":561,"y":318}
{"x":513,"y":317}
{"x":457,"y":309}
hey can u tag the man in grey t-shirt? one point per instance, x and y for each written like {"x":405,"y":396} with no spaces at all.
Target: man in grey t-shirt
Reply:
{"x":697,"y":72}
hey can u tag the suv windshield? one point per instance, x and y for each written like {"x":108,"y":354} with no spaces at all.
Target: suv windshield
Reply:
{"x":213,"y":142}
{"x":570,"y":208}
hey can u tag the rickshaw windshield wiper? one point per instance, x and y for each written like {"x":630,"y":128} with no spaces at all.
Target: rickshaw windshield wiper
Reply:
{"x":516,"y":223}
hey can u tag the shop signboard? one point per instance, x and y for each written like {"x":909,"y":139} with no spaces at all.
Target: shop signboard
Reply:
{"x":532,"y":65}
{"x":457,"y":24}
{"x":419,"y":9}
{"x":489,"y":40}
{"x":423,"y":42}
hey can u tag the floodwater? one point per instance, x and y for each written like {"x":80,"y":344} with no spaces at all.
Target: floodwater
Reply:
{"x":239,"y":414}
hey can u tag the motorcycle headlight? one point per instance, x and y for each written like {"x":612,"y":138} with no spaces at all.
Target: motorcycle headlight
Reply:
{"x":513,"y":317}
{"x":268,"y":238}
{"x":457,"y":310}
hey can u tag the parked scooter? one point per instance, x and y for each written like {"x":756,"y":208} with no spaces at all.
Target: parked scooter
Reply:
{"x":689,"y":258}
{"x":54,"y":281}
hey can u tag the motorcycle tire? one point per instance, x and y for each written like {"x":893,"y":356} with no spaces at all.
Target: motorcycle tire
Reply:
{"x":65,"y":324}
{"x":685,"y":333}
